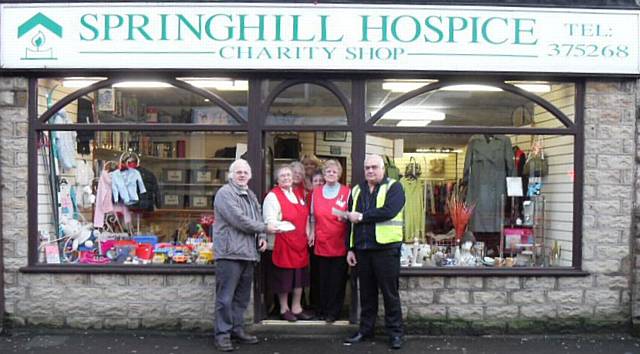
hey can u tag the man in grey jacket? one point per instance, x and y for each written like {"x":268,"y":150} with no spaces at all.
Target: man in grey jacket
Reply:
{"x":238,"y":225}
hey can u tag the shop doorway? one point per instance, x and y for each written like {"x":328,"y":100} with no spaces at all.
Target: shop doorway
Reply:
{"x":282,"y":149}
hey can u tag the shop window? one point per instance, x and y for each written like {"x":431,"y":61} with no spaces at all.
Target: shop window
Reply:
{"x":308,"y":104}
{"x":130,"y":197}
{"x":468,"y":104}
{"x":221,"y":102}
{"x":519,"y":191}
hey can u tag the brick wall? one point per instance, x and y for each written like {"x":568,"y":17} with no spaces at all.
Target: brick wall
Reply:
{"x":431,"y":304}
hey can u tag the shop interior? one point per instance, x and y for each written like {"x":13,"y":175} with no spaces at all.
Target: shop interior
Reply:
{"x":454,"y":216}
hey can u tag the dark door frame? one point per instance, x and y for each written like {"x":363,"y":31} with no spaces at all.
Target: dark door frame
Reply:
{"x":257,"y":157}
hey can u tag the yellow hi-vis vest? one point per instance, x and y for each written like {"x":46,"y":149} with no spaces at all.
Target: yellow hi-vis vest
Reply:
{"x":388,"y":231}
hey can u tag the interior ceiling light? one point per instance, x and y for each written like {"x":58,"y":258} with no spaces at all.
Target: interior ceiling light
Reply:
{"x":475,"y":88}
{"x":404,"y":85}
{"x":414,"y":113}
{"x":537,"y":87}
{"x":413,"y":123}
{"x":80,"y":82}
{"x":410,"y":85}
{"x":141,"y":84}
{"x":215,"y":83}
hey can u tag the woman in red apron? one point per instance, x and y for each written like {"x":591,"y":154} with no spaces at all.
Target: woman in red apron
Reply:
{"x":329,"y":231}
{"x":290,"y":256}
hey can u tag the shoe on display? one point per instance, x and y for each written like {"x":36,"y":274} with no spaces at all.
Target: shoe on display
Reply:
{"x":395,"y":342}
{"x":223,"y":343}
{"x":243,"y":337}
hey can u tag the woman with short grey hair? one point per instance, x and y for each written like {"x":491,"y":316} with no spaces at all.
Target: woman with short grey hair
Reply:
{"x":283,"y":207}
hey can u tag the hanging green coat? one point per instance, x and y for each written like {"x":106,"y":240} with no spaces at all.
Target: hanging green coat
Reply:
{"x":487,"y":163}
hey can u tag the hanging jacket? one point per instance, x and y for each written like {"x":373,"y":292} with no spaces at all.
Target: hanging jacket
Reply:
{"x":124,"y":186}
{"x":119,"y":188}
{"x":133,"y":182}
{"x":64,"y":141}
{"x":104,"y":203}
{"x":147,"y":200}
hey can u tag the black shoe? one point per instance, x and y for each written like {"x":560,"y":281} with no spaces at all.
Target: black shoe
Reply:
{"x":223,"y":343}
{"x":395,"y":342}
{"x":330,"y":319}
{"x":356,"y":338}
{"x":304,"y":315}
{"x":244,"y":338}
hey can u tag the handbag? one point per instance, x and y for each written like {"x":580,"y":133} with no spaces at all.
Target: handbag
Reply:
{"x":391,"y":169}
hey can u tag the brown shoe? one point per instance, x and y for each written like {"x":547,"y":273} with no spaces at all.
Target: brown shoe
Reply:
{"x":304,"y":315}
{"x":223,"y":343}
{"x":288,"y":316}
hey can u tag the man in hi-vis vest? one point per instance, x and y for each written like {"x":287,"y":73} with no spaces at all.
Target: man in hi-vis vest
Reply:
{"x":375,"y":236}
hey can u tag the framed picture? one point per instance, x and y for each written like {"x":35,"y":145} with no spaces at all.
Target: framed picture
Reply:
{"x":106,"y":100}
{"x":335,"y":136}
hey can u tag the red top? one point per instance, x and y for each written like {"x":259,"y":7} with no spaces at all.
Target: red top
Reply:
{"x":330,"y":231}
{"x":290,"y":249}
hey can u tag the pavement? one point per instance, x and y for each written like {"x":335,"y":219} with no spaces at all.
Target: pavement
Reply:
{"x":103,"y":342}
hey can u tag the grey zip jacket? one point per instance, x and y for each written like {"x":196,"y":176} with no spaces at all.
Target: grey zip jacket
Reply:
{"x":238,"y":223}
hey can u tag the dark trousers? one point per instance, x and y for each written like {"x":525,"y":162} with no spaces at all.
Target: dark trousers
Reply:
{"x":314,"y":284}
{"x":379,"y":269}
{"x":332,"y":280}
{"x":233,"y":291}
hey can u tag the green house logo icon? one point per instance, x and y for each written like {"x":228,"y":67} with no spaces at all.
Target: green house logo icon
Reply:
{"x":38,"y":49}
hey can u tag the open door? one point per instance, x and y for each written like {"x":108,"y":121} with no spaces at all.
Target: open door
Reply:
{"x":283,"y":148}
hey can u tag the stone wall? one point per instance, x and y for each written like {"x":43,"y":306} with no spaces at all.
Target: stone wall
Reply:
{"x":635,"y":309}
{"x":431,"y":304}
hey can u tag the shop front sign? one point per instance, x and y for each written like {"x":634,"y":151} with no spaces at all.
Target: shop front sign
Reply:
{"x":317,"y":37}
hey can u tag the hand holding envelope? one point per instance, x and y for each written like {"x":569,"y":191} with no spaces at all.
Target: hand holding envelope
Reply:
{"x":285,"y":226}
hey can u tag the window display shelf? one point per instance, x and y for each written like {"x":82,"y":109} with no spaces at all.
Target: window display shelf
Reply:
{"x":185,"y":211}
{"x":164,"y":184}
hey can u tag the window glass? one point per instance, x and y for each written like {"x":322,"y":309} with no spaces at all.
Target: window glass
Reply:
{"x":130,"y":197}
{"x":469,"y":105}
{"x":526,"y":221}
{"x":133,"y":102}
{"x":307,"y":104}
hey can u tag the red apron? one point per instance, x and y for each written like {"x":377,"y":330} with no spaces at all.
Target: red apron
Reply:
{"x":330,"y":231}
{"x":302,"y":194}
{"x":290,"y":249}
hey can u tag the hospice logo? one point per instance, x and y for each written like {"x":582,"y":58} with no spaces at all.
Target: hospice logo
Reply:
{"x":37,"y":47}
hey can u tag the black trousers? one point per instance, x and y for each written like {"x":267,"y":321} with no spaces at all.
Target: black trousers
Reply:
{"x":379,"y":269}
{"x":314,"y":286}
{"x":332,"y":280}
